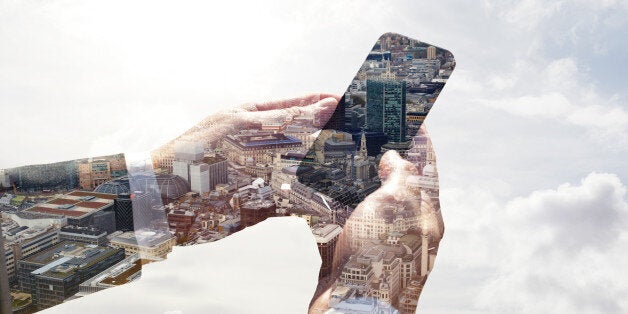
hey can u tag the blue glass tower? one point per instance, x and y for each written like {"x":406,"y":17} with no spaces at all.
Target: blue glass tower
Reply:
{"x":386,"y":108}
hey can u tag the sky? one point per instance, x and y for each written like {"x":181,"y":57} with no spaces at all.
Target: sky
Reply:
{"x":530,"y":133}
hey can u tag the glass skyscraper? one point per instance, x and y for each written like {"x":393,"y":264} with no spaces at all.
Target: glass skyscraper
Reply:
{"x":386,"y":108}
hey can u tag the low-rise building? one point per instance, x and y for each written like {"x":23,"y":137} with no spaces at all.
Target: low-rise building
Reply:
{"x":54,"y":274}
{"x":147,"y":243}
{"x":125,"y":271}
{"x":89,"y":235}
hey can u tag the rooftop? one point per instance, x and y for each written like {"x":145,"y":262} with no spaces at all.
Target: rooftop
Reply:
{"x":143,"y":237}
{"x":76,"y":204}
{"x":65,"y":258}
{"x":326,"y":233}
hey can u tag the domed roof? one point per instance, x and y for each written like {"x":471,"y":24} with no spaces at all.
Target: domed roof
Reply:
{"x":172,"y":186}
{"x":169,"y":186}
{"x":117,"y":186}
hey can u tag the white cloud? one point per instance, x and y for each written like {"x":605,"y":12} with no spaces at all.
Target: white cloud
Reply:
{"x":559,"y":92}
{"x":554,"y":251}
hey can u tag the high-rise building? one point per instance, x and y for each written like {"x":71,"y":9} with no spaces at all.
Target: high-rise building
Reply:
{"x":203,"y":173}
{"x":185,"y":154}
{"x":217,"y":170}
{"x":431,"y":52}
{"x":188,"y":151}
{"x":199,"y":177}
{"x":386,"y":108}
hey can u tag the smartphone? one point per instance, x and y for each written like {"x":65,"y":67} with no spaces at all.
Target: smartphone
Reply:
{"x":382,"y":109}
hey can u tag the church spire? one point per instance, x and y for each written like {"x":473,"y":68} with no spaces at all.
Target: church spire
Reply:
{"x":363,"y":150}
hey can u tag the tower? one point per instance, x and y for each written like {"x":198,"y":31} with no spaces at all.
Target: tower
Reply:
{"x":386,"y":108}
{"x":388,"y":75}
{"x":363,"y":151}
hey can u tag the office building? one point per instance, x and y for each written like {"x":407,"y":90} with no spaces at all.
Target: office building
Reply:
{"x":260,"y":146}
{"x":180,"y":221}
{"x":151,"y":244}
{"x":202,"y":173}
{"x":409,"y":298}
{"x":89,"y":235}
{"x":93,"y":172}
{"x":386,"y":108}
{"x":217,"y":170}
{"x":256,"y":211}
{"x":125,"y":271}
{"x":326,"y":239}
{"x":54,"y":274}
{"x":366,"y":225}
{"x":199,"y":178}
{"x":55,"y":176}
{"x":80,"y":208}
{"x":22,"y":241}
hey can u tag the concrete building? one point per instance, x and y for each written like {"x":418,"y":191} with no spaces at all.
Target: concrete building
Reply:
{"x":282,"y":179}
{"x":151,"y":244}
{"x":89,"y":235}
{"x":256,"y":211}
{"x":409,"y":298}
{"x":22,"y":241}
{"x":258,"y":145}
{"x":54,"y":274}
{"x":326,"y":239}
{"x":180,"y":221}
{"x":93,"y":172}
{"x":306,"y":134}
{"x":217,"y":170}
{"x":199,"y":178}
{"x":125,"y":271}
{"x":203,"y":173}
{"x":366,"y":225}
{"x":80,"y":208}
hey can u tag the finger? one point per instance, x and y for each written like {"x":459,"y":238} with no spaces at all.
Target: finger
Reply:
{"x":219,"y":124}
{"x":288,"y":103}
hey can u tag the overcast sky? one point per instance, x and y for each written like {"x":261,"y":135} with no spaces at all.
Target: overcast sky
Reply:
{"x":531,"y":131}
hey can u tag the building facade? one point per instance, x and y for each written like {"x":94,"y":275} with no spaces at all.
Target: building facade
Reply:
{"x":386,"y":108}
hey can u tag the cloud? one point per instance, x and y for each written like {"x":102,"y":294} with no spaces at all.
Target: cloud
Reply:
{"x":557,"y":250}
{"x":558,"y":92}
